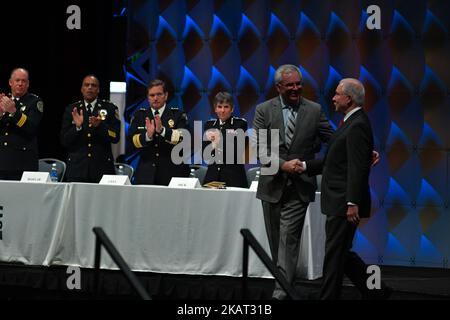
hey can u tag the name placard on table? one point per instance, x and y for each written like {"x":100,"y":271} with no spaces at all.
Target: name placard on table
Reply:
{"x":185,"y":183}
{"x":254,"y":186}
{"x":35,"y":177}
{"x":118,"y":180}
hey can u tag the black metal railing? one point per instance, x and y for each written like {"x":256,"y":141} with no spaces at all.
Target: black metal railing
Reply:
{"x":250,"y":241}
{"x":102,"y":239}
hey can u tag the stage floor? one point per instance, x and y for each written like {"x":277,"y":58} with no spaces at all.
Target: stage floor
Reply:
{"x":18,"y":282}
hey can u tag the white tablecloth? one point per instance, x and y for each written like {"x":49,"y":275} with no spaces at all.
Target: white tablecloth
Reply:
{"x":156,"y":229}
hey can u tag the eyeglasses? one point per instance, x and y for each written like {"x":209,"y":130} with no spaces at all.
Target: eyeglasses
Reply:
{"x":291,"y":85}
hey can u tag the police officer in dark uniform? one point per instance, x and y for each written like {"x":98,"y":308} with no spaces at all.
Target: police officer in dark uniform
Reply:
{"x":89,"y":127}
{"x":224,"y":134}
{"x":20,"y":115}
{"x":154,"y":132}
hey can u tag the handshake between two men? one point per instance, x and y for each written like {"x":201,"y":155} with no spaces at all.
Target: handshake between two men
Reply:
{"x":299,"y":166}
{"x":293,"y":166}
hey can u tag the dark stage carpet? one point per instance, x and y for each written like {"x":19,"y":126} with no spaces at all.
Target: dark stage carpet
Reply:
{"x":408,"y":284}
{"x":18,"y":282}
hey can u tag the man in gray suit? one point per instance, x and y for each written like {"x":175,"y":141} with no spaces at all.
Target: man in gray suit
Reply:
{"x":285,"y":195}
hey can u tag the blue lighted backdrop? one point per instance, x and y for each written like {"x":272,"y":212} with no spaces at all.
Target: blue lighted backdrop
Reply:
{"x":201,"y":47}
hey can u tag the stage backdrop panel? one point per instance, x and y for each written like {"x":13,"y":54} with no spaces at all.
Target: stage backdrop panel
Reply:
{"x":202,"y":47}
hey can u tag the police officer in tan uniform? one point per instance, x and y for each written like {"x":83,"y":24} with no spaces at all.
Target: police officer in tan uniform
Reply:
{"x":89,"y":127}
{"x":20,"y":115}
{"x":153,"y":133}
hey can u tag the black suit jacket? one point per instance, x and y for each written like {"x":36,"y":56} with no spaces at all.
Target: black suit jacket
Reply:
{"x":18,"y":135}
{"x":233,"y":174}
{"x":346,"y":167}
{"x":155,"y":165}
{"x":89,"y":150}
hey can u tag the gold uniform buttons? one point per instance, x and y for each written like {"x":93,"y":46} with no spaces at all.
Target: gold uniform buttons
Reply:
{"x":89,"y":155}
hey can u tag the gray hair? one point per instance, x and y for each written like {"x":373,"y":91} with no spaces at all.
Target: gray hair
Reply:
{"x":223,"y":97}
{"x":355,"y":89}
{"x":286,"y":68}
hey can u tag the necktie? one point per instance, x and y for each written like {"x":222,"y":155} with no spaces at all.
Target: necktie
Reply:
{"x":341,"y":123}
{"x":89,"y":109}
{"x":290,"y":127}
{"x":156,"y":113}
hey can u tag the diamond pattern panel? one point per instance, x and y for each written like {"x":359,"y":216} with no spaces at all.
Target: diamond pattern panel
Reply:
{"x":201,"y":47}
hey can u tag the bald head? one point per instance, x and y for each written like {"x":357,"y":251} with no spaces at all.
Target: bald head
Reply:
{"x":90,"y":88}
{"x":19,"y":82}
{"x":20,"y":71}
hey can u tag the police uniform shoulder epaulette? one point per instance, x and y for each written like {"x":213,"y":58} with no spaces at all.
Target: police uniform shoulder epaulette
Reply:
{"x":141,"y":110}
{"x":211,"y":122}
{"x":108,"y":102}
{"x":76,"y":103}
{"x":240,"y":119}
{"x":38,"y":101}
{"x":105,"y":101}
{"x":35,"y":96}
{"x":137,"y":112}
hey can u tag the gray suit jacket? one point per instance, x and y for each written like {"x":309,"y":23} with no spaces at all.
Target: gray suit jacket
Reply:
{"x":311,"y":128}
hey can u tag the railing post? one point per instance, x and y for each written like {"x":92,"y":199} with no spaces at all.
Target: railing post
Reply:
{"x":245,"y":269}
{"x":264,"y":257}
{"x":98,"y":252}
{"x":103,"y":240}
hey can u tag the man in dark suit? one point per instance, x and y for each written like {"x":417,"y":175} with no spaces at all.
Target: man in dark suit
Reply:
{"x":153,"y":133}
{"x":285,"y":195}
{"x":226,"y":133}
{"x":89,"y":127}
{"x":345,"y":192}
{"x":20,"y":116}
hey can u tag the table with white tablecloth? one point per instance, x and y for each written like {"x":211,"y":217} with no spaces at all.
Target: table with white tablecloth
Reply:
{"x":156,"y":229}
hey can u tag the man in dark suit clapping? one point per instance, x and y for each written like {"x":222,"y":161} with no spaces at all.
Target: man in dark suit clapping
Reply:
{"x":153,"y":133}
